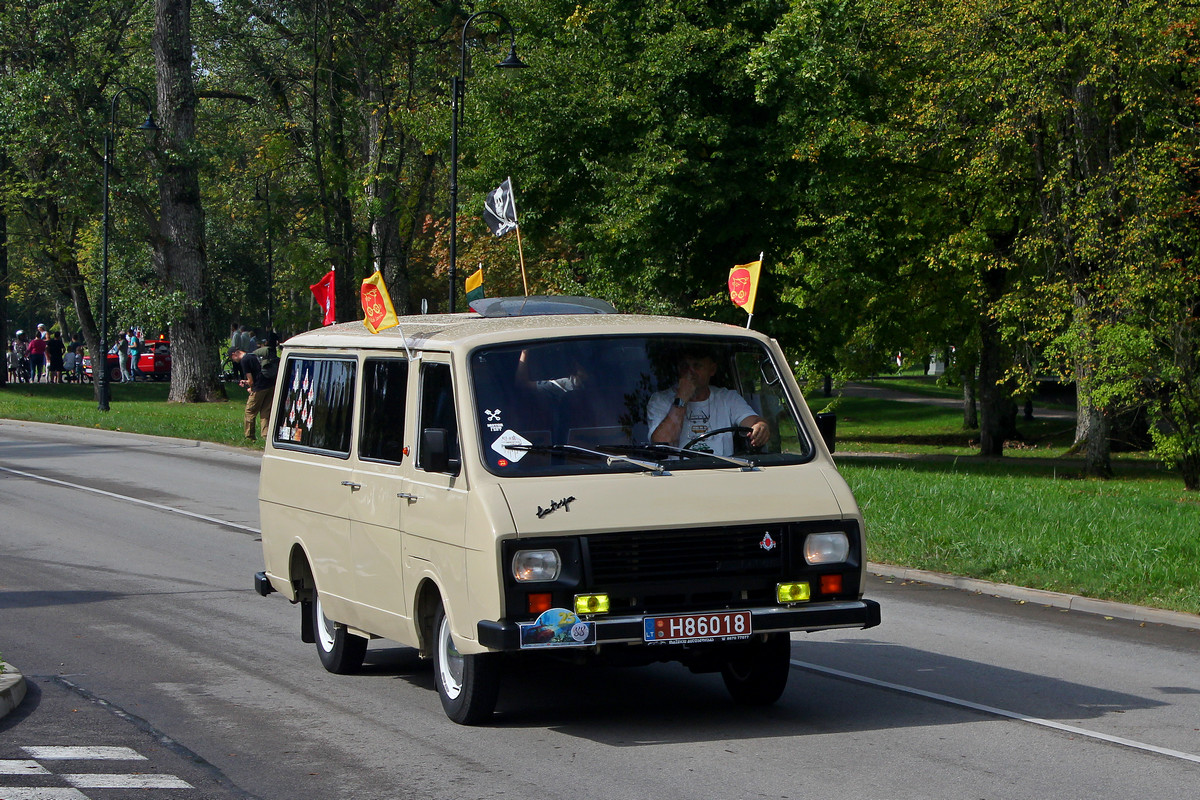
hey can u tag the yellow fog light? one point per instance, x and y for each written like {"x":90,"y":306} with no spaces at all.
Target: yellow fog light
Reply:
{"x":591,"y":604}
{"x":793,"y":592}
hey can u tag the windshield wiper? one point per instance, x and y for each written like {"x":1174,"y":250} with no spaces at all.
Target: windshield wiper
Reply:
{"x":660,"y":447}
{"x":609,"y":458}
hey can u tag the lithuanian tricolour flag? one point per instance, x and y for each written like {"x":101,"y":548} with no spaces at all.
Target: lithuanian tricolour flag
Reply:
{"x":377,"y":305}
{"x":474,"y":285}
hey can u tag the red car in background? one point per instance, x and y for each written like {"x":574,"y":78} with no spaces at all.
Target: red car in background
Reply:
{"x":154,"y":361}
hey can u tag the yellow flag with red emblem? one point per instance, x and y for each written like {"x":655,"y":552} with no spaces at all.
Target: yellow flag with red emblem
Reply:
{"x":743,"y":284}
{"x":377,"y":305}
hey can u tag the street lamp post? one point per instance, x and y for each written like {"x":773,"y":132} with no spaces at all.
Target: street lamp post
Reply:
{"x":100,"y":365}
{"x":457,"y":88}
{"x":265,"y":197}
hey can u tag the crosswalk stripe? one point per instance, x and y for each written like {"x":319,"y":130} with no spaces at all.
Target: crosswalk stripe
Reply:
{"x":19,"y":766}
{"x":23,"y":793}
{"x":54,"y":753}
{"x":103,"y":781}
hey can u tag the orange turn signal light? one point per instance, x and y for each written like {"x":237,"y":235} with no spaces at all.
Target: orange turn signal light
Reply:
{"x":539,"y":602}
{"x":831,"y":584}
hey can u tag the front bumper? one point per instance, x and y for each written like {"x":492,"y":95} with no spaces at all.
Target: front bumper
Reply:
{"x":504,"y":635}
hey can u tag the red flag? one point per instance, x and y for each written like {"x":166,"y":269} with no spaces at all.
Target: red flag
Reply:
{"x":323,"y":291}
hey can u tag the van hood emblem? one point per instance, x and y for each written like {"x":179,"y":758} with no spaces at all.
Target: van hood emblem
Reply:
{"x":767,"y":542}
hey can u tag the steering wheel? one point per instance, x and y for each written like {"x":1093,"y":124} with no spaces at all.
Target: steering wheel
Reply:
{"x":742,"y":429}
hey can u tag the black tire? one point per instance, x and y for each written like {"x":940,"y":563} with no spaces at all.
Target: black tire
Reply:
{"x":468,"y":686}
{"x":341,"y":652}
{"x":114,"y":374}
{"x":757,"y":675}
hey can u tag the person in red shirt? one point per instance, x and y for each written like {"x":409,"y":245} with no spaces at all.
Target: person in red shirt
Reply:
{"x":37,"y":358}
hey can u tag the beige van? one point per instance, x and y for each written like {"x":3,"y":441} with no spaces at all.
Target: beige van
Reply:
{"x":549,"y":477}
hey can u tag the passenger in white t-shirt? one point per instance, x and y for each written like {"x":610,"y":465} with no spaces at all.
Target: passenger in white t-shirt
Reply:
{"x":692,"y":408}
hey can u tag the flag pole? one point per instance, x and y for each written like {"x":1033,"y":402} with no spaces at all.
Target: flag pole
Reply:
{"x":750,"y":318}
{"x":520,"y":250}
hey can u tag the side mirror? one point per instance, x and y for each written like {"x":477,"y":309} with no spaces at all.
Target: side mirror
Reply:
{"x":827,"y":427}
{"x":435,"y":450}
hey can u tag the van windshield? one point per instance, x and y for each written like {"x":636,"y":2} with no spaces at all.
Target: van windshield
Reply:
{"x":559,"y":406}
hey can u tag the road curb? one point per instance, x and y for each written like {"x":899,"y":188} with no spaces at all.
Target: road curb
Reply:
{"x":12,"y":688}
{"x":1070,"y":602}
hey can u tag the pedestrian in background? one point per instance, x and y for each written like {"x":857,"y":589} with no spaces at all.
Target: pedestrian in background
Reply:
{"x":135,"y":352}
{"x":123,"y":357}
{"x":261,"y":387}
{"x":55,"y":349}
{"x":37,"y":358}
{"x":21,"y":346}
{"x":13,"y":360}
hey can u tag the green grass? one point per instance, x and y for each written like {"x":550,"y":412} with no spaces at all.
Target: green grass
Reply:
{"x":1019,"y":520}
{"x":1135,"y":539}
{"x":134,"y":408}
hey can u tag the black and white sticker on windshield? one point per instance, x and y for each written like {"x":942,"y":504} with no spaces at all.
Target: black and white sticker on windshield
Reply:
{"x":504,"y":445}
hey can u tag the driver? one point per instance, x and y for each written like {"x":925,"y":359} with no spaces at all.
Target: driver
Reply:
{"x":693,"y":408}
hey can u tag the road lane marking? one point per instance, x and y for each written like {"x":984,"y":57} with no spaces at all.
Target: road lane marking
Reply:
{"x":998,"y":712}
{"x":26,"y":793}
{"x":128,"y":499}
{"x":15,"y":766}
{"x":96,"y":780}
{"x":54,"y":753}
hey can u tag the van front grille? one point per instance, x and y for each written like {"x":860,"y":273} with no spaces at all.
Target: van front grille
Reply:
{"x":696,"y":557}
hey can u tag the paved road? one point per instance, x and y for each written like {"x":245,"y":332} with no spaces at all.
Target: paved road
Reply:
{"x":145,"y":614}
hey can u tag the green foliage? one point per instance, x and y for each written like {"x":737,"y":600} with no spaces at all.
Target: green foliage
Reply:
{"x":1020,"y":182}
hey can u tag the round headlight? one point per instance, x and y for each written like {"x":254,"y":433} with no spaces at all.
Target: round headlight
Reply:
{"x":535,"y":565}
{"x":826,"y":548}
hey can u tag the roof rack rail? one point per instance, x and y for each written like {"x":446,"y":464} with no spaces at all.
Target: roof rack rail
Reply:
{"x":539,"y":305}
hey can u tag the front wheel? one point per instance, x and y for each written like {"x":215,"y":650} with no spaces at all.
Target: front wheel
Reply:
{"x":757,"y":675}
{"x":468,"y":685}
{"x":341,"y":652}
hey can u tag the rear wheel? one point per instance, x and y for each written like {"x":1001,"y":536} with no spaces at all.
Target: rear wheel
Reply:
{"x":468,"y":685}
{"x":757,"y":674}
{"x":341,"y":652}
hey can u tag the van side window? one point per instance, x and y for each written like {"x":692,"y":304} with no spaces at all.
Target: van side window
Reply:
{"x":439,"y":449}
{"x":385,"y":385}
{"x":316,"y":407}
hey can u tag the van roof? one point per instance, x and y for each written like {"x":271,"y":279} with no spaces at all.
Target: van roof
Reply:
{"x":447,"y":331}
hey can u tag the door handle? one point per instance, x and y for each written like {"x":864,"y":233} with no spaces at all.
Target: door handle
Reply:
{"x":408,"y":496}
{"x":354,"y":487}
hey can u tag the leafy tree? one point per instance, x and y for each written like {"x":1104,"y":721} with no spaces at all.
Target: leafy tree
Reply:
{"x":63,"y":63}
{"x":637,"y":150}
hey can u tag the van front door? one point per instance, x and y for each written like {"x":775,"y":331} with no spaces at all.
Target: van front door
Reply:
{"x":436,"y":493}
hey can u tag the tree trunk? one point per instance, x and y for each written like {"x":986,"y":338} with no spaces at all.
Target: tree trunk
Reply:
{"x":1092,"y":422}
{"x":968,"y":364}
{"x":997,"y":411}
{"x":179,"y":253}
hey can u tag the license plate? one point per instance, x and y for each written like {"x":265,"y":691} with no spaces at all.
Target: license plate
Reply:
{"x":688,"y":628}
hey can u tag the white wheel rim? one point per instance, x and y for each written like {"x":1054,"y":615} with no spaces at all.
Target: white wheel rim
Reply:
{"x":324,"y":628}
{"x":450,"y":665}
